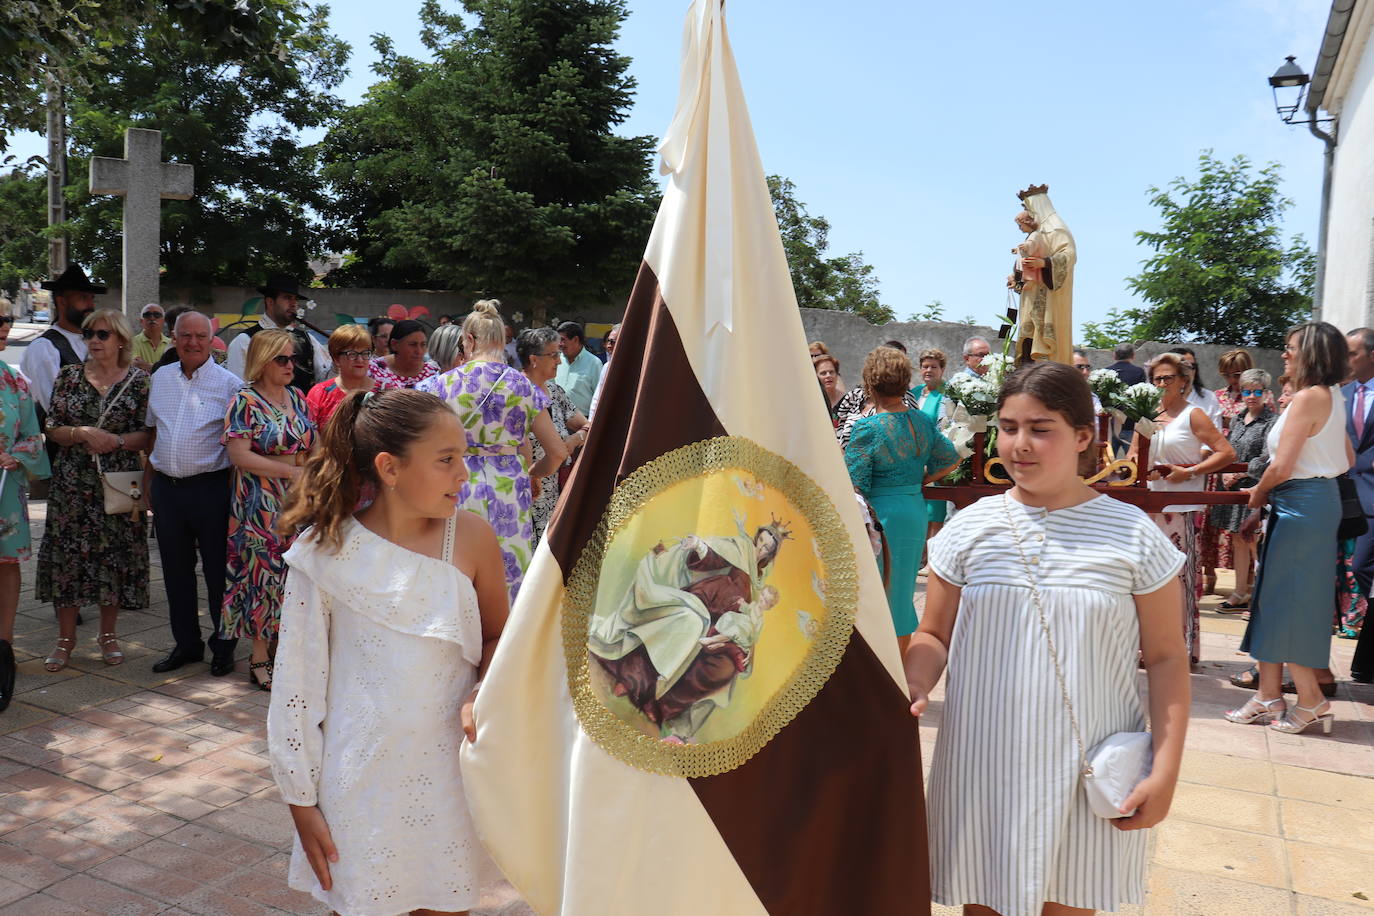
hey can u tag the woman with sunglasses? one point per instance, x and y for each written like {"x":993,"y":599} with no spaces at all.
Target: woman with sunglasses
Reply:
{"x":350,"y":347}
{"x":98,"y":413}
{"x":537,"y":349}
{"x":21,"y":456}
{"x":1182,"y":437}
{"x":268,"y":433}
{"x":1247,"y":433}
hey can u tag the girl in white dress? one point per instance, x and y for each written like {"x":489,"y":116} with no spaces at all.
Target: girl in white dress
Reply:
{"x":389,"y":618}
{"x":1011,"y":831}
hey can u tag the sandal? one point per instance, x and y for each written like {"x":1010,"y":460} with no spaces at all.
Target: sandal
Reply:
{"x":1233,"y":607}
{"x":1290,"y":724}
{"x":111,"y":656}
{"x":55,"y":662}
{"x":253,"y":677}
{"x":1249,"y":680}
{"x":1257,"y":710}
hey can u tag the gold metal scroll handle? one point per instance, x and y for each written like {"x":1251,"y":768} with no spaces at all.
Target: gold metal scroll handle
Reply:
{"x":1120,"y":464}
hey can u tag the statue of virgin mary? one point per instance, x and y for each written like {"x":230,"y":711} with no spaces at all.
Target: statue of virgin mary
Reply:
{"x":1044,"y":276}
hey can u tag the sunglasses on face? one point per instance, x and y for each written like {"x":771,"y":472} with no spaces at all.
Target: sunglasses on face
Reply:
{"x":356,"y":354}
{"x":1252,"y":392}
{"x":610,"y":345}
{"x":6,"y":321}
{"x":101,"y":334}
{"x":1164,"y":379}
{"x":152,"y":316}
{"x":282,"y":359}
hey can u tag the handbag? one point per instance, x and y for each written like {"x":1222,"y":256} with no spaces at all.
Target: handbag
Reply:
{"x":1353,"y":522}
{"x":123,"y":490}
{"x":1113,"y":768}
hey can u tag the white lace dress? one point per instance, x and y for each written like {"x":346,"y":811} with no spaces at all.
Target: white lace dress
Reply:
{"x":378,"y":648}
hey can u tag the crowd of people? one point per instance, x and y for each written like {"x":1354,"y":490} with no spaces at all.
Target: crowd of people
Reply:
{"x":227,"y":444}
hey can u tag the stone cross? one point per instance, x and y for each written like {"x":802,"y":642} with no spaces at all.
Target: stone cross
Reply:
{"x":144,"y":181}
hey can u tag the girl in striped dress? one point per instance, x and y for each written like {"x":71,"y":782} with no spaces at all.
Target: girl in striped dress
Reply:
{"x":1011,"y":831}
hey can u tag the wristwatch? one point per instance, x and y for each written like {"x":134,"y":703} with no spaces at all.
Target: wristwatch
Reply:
{"x":119,"y":441}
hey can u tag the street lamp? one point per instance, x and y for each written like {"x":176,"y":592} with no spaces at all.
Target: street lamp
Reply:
{"x":1288,"y":77}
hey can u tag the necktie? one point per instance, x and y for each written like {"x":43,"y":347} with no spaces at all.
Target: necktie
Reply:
{"x":1359,"y":413}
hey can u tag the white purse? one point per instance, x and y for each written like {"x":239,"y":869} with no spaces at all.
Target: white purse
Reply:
{"x":123,"y":490}
{"x":1113,"y":769}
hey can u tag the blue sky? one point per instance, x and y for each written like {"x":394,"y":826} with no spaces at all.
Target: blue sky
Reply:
{"x":911,"y":125}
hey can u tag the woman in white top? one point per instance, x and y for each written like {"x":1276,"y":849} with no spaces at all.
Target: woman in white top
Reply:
{"x":389,"y":618}
{"x":1185,"y":448}
{"x":1290,"y":619}
{"x":1199,"y":393}
{"x":1011,"y":831}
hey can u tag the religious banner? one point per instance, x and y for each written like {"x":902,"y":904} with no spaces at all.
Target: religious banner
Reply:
{"x":698,"y":704}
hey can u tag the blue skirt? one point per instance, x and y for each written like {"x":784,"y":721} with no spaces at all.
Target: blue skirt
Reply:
{"x":1290,"y":617}
{"x":902,"y":512}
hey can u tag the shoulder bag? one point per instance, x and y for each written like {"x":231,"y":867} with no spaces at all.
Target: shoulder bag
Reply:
{"x":123,"y":490}
{"x":1116,"y":766}
{"x":1353,"y":523}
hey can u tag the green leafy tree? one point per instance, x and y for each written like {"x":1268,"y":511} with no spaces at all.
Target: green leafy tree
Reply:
{"x":933,"y":310}
{"x":846,"y":283}
{"x":23,"y":220}
{"x":238,"y":124}
{"x":1221,"y":270}
{"x":78,"y":39}
{"x":1120,"y":326}
{"x":495,"y":166}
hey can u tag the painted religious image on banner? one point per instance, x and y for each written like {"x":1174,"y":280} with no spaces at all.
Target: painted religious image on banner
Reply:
{"x":710,"y":599}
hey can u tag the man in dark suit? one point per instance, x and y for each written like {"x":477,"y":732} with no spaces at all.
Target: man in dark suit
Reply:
{"x":1131,"y":374}
{"x":1359,"y":425}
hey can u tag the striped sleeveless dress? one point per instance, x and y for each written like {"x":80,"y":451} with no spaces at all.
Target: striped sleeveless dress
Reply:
{"x":1010,"y":827}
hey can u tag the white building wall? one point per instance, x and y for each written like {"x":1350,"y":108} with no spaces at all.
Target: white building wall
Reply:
{"x":1348,"y":294}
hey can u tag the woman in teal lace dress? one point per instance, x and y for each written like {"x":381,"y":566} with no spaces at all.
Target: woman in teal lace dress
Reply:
{"x":890,"y":455}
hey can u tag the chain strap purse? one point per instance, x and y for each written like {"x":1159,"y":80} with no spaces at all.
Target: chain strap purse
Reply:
{"x":1113,"y":769}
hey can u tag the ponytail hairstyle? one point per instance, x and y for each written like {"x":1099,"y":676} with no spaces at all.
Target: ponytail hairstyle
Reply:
{"x":365,"y":424}
{"x":485,"y":325}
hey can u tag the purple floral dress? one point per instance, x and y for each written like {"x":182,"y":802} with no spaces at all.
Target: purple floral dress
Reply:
{"x":496,"y":405}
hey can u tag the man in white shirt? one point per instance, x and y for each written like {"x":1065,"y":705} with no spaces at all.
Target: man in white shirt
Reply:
{"x":975,"y":348}
{"x":579,"y":370}
{"x":73,"y":298}
{"x":280,"y":299}
{"x":188,"y":480}
{"x":609,"y":344}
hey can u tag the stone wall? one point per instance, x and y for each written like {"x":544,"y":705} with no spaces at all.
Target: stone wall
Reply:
{"x":850,"y":337}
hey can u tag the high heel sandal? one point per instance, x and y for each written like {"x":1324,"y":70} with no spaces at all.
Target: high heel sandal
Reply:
{"x":1291,"y":725}
{"x":1256,"y":710}
{"x":253,"y":676}
{"x":113,"y":656}
{"x":54,"y":662}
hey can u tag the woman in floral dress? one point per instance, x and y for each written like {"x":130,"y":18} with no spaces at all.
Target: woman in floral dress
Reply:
{"x":497,"y":406}
{"x":405,"y":365}
{"x":268,"y":433}
{"x":21,"y":456}
{"x":87,"y":557}
{"x":537,"y":349}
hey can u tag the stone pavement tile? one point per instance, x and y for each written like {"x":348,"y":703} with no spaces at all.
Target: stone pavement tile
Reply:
{"x":125,"y":725}
{"x":56,"y":846}
{"x":1328,"y":825}
{"x":1219,"y":852}
{"x":99,"y":777}
{"x":1317,"y":906}
{"x":276,"y":833}
{"x":217,"y":901}
{"x":23,"y":867}
{"x":111,"y":834}
{"x":22,"y":715}
{"x":1186,"y":893}
{"x":77,"y":693}
{"x":24,"y":752}
{"x":1320,"y":753}
{"x":183,"y":860}
{"x":1218,"y":736}
{"x":1207,"y":768}
{"x":131,"y":816}
{"x":45,"y":905}
{"x":178,"y":805}
{"x":142,"y":878}
{"x":10,"y":891}
{"x":1226,"y":808}
{"x":1327,"y":788}
{"x":233,"y":851}
{"x":1318,"y":871}
{"x":85,"y":890}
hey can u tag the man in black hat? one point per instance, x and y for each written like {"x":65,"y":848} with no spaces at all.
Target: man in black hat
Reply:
{"x":73,"y":298}
{"x":280,"y":298}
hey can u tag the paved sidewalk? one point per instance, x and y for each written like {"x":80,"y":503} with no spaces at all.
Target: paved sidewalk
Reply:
{"x":126,"y":792}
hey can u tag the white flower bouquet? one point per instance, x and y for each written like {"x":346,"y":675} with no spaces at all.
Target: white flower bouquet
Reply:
{"x":976,"y":394}
{"x":1107,"y":385}
{"x":1138,"y":402}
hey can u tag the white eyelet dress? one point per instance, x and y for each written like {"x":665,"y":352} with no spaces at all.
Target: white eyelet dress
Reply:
{"x":1010,"y":827}
{"x":379,"y":646}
